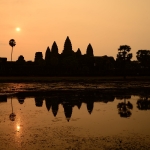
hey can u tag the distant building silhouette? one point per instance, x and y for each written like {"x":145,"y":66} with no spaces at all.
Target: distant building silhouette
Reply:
{"x":90,"y":106}
{"x":47,"y":55}
{"x":70,"y":63}
{"x":38,"y":57}
{"x":48,"y":103}
{"x":55,"y":107}
{"x":89,"y":51}
{"x":39,"y":101}
{"x":54,"y":49}
{"x":3,"y":60}
{"x":67,"y":48}
{"x":67,"y":110}
{"x":20,"y":59}
{"x":78,"y":53}
{"x":71,"y":99}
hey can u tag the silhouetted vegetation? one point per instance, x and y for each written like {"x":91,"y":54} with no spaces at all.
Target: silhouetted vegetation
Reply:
{"x":12,"y":116}
{"x":12,"y":43}
{"x":70,"y":63}
{"x":123,"y":57}
{"x":143,"y":103}
{"x":20,"y":60}
{"x":124,"y":108}
{"x":143,"y":56}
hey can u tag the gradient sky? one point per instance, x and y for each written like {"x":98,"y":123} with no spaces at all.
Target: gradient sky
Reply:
{"x":105,"y":24}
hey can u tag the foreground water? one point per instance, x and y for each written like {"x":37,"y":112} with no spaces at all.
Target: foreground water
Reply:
{"x":76,"y":120}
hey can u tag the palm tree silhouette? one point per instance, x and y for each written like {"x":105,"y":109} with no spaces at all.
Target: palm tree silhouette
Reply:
{"x":12,"y":116}
{"x":12,"y":43}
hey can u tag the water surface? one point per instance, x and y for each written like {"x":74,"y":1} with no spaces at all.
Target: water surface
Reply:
{"x":75,"y":121}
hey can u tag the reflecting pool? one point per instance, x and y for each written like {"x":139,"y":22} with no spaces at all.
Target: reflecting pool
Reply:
{"x":74,"y":121}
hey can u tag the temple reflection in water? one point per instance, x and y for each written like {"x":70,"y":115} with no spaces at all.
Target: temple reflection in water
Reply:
{"x":70,"y":100}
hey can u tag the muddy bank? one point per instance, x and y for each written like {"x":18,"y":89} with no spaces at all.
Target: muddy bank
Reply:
{"x":46,"y":88}
{"x":33,"y":79}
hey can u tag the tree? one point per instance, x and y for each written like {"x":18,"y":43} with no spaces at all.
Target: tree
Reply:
{"x":143,"y":103}
{"x":20,"y":59}
{"x":123,"y":57}
{"x":124,"y":108}
{"x":143,"y":56}
{"x":21,"y":99}
{"x":12,"y":116}
{"x":123,"y":53}
{"x":89,"y":51}
{"x":12,"y":43}
{"x":54,"y":49}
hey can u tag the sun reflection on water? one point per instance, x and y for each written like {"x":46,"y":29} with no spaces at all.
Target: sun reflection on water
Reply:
{"x":18,"y":128}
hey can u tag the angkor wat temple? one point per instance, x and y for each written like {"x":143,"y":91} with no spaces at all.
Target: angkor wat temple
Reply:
{"x":69,"y":63}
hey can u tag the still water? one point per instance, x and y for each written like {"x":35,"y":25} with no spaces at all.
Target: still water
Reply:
{"x":74,"y":121}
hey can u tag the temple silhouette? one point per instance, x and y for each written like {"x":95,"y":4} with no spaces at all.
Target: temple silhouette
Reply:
{"x":74,"y":63}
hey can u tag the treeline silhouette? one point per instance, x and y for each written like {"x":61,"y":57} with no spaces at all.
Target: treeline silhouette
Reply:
{"x":69,"y":101}
{"x":70,"y":63}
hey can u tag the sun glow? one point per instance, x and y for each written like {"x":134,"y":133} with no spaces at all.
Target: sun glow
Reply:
{"x":18,"y":29}
{"x":18,"y":128}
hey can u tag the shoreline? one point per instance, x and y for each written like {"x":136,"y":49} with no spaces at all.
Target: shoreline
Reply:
{"x":66,"y":85}
{"x":88,"y":93}
{"x":88,"y":79}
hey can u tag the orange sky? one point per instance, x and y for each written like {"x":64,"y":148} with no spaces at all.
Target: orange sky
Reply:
{"x":105,"y":24}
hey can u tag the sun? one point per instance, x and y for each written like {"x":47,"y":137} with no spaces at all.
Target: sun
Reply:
{"x":18,"y":29}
